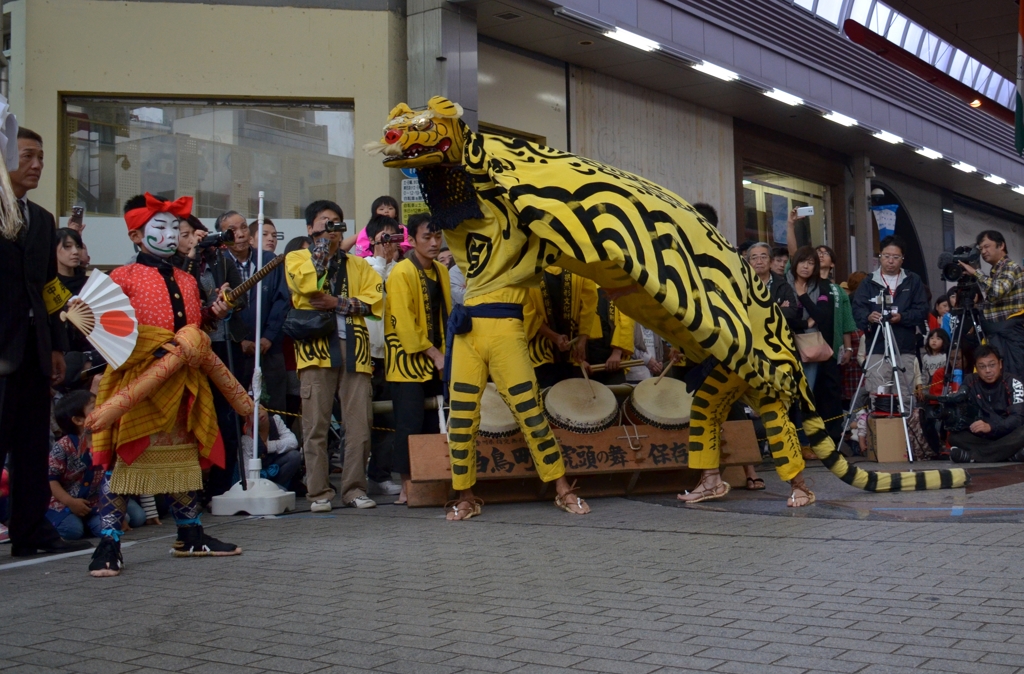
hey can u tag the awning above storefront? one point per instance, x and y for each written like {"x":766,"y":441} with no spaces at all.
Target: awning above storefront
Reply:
{"x":775,"y":46}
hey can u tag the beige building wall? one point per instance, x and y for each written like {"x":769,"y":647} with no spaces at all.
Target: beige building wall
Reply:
{"x":678,"y":145}
{"x":175,"y":50}
{"x":523,"y":94}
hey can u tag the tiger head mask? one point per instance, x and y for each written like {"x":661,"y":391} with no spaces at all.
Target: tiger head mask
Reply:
{"x":420,"y":138}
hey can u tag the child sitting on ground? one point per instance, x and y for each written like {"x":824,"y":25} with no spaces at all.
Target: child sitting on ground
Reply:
{"x":278,"y":447}
{"x":74,"y":484}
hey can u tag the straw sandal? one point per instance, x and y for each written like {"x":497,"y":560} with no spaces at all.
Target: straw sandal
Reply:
{"x":463,"y":509}
{"x":703,"y":493}
{"x":801,"y":496}
{"x":571,"y":503}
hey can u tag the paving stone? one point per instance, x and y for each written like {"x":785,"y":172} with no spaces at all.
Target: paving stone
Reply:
{"x":652,"y":588}
{"x":545,"y":658}
{"x":616,"y":666}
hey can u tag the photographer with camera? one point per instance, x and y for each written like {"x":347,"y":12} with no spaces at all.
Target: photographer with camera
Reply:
{"x":333,"y":295}
{"x":998,"y":433}
{"x":218,"y":272}
{"x":897,"y":296}
{"x":1003,"y":289}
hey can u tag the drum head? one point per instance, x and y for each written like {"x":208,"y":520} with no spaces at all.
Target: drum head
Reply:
{"x":573,"y":405}
{"x":662,"y":404}
{"x":496,"y":420}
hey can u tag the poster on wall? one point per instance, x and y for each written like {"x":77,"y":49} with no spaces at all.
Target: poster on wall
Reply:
{"x":885,"y":218}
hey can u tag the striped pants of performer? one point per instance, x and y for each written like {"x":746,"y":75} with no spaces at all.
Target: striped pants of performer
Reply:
{"x":710,"y":409}
{"x":496,"y":346}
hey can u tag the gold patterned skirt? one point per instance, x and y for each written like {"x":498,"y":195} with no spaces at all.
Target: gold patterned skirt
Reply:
{"x":170,"y":465}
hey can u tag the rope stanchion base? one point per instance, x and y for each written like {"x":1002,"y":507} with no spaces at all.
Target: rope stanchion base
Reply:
{"x":263,"y":497}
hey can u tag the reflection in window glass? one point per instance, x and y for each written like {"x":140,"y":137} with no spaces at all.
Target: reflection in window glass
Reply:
{"x":880,"y":19}
{"x":943,"y":55}
{"x":897,"y":25}
{"x":768,"y":196}
{"x":859,"y":11}
{"x":928,"y":46}
{"x":992,"y":90}
{"x":970,"y":72}
{"x":897,"y":28}
{"x":222,"y":155}
{"x":959,"y":59}
{"x":806,"y":4}
{"x":1006,"y":93}
{"x":913,"y":39}
{"x":981,"y":80}
{"x":829,"y":10}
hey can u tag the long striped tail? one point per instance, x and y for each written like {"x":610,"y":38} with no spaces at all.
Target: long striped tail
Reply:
{"x":870,"y":480}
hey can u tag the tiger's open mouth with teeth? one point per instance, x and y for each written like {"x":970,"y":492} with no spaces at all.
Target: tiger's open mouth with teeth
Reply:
{"x":416,"y":150}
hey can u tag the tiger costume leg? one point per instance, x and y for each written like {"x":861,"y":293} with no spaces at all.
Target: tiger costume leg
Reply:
{"x":710,"y":409}
{"x":497,"y":347}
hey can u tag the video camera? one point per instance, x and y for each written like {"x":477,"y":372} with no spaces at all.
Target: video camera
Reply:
{"x":216,"y":240}
{"x":949,"y":263}
{"x":956,"y":411}
{"x":336,"y":227}
{"x":388,"y":237}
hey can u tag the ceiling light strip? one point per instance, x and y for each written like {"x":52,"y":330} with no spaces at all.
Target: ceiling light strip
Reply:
{"x":646,"y":44}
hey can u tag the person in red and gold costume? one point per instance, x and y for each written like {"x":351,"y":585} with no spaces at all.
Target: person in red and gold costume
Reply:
{"x":155,"y":427}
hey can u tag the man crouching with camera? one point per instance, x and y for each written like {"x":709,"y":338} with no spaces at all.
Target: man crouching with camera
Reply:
{"x":1004,"y":299}
{"x":998,"y":435}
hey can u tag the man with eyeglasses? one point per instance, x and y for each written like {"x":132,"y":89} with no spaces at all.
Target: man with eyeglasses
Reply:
{"x":760,"y":258}
{"x":998,"y":433}
{"x":1003,"y":289}
{"x":896,"y":294}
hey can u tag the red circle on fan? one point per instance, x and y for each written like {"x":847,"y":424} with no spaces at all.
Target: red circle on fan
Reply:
{"x":117,"y":323}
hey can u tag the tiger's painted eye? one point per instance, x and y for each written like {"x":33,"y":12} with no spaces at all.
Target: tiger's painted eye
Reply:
{"x":423,"y":125}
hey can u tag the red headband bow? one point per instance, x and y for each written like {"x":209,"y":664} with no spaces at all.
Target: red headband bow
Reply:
{"x":138,"y":217}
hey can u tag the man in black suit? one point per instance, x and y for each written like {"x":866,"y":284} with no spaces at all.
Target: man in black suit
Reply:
{"x":32,"y":343}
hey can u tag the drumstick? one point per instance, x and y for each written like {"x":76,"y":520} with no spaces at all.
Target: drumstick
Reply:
{"x":601,"y":367}
{"x":664,"y":371}
{"x":593,"y":394}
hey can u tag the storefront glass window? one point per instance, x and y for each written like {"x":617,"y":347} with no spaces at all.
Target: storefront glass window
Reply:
{"x":220,"y":153}
{"x":768,"y":197}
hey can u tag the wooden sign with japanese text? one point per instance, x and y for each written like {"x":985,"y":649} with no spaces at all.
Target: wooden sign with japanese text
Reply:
{"x":625,"y":450}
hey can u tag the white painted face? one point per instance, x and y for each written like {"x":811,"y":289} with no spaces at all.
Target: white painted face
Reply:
{"x":160,"y":235}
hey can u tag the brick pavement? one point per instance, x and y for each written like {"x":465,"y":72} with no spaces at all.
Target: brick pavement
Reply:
{"x":638,"y":586}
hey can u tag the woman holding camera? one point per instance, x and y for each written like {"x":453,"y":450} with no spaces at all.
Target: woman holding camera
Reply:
{"x":825,"y":313}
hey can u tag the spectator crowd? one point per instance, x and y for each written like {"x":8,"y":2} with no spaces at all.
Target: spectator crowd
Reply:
{"x":389,"y":290}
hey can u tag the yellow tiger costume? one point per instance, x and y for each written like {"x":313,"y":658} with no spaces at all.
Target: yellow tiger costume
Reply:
{"x":510,"y":208}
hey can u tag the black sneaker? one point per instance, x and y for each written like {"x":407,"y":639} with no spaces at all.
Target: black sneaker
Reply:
{"x":958,"y":455}
{"x":192,"y":542}
{"x":107,"y":560}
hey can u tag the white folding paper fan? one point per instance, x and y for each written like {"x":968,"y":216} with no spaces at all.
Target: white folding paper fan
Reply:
{"x":106,"y":318}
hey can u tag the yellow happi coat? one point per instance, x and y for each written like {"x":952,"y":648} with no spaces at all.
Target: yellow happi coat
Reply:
{"x":363,"y":284}
{"x":406,"y":321}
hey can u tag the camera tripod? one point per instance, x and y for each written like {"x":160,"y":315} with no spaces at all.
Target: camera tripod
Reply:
{"x":970,"y":311}
{"x":891,"y":355}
